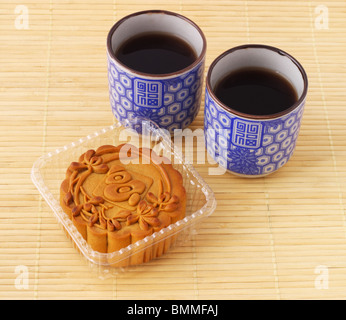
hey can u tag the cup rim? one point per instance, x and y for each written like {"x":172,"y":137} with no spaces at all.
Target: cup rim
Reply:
{"x":250,"y":116}
{"x":163,"y":75}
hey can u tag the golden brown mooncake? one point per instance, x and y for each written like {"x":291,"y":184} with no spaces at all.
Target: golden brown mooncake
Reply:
{"x":113,"y":204}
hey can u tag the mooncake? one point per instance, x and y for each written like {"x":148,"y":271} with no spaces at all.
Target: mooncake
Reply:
{"x":118,"y":195}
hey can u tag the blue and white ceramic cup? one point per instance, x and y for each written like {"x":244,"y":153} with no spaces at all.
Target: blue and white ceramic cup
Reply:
{"x":253,"y":145}
{"x":171,"y":100}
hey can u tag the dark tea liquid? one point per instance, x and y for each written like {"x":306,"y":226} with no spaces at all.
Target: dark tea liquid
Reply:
{"x":156,"y":53}
{"x":256,"y":91}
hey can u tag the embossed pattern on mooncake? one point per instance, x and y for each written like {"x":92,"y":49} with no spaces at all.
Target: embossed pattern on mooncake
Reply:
{"x":113,"y":204}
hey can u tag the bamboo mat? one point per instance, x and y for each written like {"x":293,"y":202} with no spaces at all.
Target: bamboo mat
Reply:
{"x":278,"y":237}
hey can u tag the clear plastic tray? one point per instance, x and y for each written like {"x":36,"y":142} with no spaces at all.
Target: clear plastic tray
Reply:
{"x":49,"y":171}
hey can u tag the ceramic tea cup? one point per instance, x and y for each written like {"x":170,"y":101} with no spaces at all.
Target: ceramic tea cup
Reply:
{"x":251,"y":145}
{"x":170,"y":100}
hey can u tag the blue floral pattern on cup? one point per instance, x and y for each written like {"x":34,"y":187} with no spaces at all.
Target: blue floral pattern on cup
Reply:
{"x":246,"y":147}
{"x":172,"y":103}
